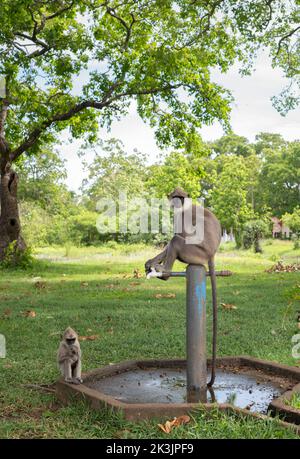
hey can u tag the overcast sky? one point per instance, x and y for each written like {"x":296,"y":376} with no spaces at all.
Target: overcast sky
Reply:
{"x":252,"y":112}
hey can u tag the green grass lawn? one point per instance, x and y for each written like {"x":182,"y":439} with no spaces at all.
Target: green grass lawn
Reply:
{"x":295,"y":401}
{"x":93,"y":291}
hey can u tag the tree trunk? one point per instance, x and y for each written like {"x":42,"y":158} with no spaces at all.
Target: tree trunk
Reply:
{"x":10,"y":227}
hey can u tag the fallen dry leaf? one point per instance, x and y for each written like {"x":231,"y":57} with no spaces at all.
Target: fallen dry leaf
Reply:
{"x":137,"y":274}
{"x":165,"y":295}
{"x":29,"y":314}
{"x":88,"y":338}
{"x":84,"y":284}
{"x":169,"y":425}
{"x":7,"y":312}
{"x":40,"y":285}
{"x":110,"y":286}
{"x":228,"y":306}
{"x":133,"y":284}
{"x":184,"y":419}
{"x":281,"y":267}
{"x":127,"y":276}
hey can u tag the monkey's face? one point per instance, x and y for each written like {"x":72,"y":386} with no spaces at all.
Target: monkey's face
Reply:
{"x":70,"y":336}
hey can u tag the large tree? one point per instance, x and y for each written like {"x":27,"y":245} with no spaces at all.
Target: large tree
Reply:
{"x":268,"y":141}
{"x":230,"y":196}
{"x":43,"y":181}
{"x":232,"y":144}
{"x":279,"y":179}
{"x":113,"y":171}
{"x":78,"y":64}
{"x":177,"y":169}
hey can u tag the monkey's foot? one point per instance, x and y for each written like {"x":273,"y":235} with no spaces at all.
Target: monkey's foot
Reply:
{"x":77,"y":381}
{"x":69,"y":380}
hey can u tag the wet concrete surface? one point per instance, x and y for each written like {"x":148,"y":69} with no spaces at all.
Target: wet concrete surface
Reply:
{"x":169,"y":386}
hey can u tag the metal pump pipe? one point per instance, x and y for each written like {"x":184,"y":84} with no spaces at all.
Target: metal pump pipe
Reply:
{"x":196,"y":372}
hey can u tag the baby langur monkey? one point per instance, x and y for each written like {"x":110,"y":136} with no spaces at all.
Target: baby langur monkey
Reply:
{"x":69,"y":357}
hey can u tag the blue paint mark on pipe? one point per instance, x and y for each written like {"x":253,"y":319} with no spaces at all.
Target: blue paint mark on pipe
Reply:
{"x":200,"y":292}
{"x":203,"y":288}
{"x":199,"y":298}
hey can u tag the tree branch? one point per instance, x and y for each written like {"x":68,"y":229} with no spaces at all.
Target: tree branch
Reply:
{"x":106,"y":101}
{"x":59,"y":12}
{"x":35,"y":40}
{"x":143,"y":92}
{"x":128,"y":28}
{"x":39,"y":52}
{"x":202,"y":31}
{"x":271,"y":12}
{"x":36,"y":133}
{"x":38,"y":27}
{"x":282,"y":39}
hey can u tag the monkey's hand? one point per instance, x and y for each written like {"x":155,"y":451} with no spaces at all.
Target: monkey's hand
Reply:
{"x":158,"y":272}
{"x":153,"y":273}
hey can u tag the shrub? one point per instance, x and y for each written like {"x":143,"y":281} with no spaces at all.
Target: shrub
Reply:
{"x":253,"y":232}
{"x":36,"y":223}
{"x":82,"y":228}
{"x":16,"y":257}
{"x":293,"y":221}
{"x":296,"y":241}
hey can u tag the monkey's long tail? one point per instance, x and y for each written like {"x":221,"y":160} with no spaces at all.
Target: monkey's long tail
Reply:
{"x":211,"y":265}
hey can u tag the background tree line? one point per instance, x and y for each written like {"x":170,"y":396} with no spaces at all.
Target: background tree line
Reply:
{"x":243,"y":183}
{"x":75,"y":66}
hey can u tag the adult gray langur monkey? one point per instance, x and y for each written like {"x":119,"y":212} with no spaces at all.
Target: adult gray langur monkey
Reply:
{"x":200,"y":253}
{"x":69,"y":357}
